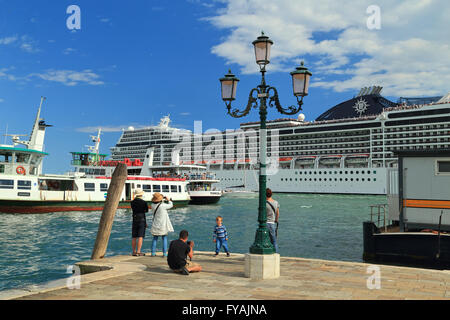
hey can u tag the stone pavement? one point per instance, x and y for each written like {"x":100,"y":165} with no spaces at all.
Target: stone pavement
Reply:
{"x":222,"y":278}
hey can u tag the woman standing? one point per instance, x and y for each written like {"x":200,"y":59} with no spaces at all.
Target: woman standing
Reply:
{"x":161,"y":224}
{"x":140,"y":208}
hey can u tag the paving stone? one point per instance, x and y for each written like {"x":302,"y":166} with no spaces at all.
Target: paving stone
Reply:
{"x":223,"y":279}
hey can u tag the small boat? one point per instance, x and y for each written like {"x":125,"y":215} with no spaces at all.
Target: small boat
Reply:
{"x":201,"y":189}
{"x":200,"y":182}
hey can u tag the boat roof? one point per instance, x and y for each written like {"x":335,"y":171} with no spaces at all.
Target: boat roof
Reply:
{"x":90,"y":153}
{"x":21,"y":150}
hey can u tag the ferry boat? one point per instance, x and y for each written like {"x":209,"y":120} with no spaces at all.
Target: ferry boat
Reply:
{"x":346,"y":150}
{"x":200,"y":186}
{"x":24,"y":189}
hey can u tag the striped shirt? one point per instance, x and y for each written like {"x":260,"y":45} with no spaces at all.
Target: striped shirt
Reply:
{"x":220,"y":232}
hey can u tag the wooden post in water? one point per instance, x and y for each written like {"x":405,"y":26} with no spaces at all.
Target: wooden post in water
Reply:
{"x":109,"y":210}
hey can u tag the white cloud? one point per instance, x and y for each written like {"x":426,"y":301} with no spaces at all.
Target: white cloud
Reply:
{"x":66,"y":77}
{"x":24,"y":42}
{"x":70,"y":77}
{"x":28,"y":45}
{"x":68,"y":51}
{"x":8,"y":40}
{"x":109,"y":128}
{"x":1,"y":100}
{"x":407,"y":56}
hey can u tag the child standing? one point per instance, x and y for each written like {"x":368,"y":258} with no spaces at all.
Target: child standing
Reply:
{"x":220,"y":236}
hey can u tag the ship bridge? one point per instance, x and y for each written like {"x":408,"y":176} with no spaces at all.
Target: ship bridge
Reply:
{"x":368,"y":102}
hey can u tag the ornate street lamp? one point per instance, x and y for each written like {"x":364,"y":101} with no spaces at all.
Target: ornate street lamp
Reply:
{"x":262,"y":50}
{"x":266,"y":95}
{"x":229,"y":86}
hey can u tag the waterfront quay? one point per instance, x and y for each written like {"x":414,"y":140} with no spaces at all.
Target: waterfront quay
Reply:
{"x":223,"y":278}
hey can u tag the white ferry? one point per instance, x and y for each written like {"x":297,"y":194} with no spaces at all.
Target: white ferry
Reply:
{"x":24,"y":189}
{"x":346,"y":150}
{"x":201,"y":183}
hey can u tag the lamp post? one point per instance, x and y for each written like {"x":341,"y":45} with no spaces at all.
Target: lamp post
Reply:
{"x":267,"y":96}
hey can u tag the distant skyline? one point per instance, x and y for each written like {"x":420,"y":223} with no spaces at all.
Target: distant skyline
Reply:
{"x":131,"y":63}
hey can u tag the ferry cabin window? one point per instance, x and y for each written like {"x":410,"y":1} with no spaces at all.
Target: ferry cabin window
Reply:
{"x":165,"y":188}
{"x":103,"y":187}
{"x":89,"y":187}
{"x":24,"y":185}
{"x":179,"y":188}
{"x":6,"y":184}
{"x":147,"y":187}
{"x":2,"y":168}
{"x":22,"y":158}
{"x":173,"y":188}
{"x":443,"y":167}
{"x":5,"y":157}
{"x":156,"y":188}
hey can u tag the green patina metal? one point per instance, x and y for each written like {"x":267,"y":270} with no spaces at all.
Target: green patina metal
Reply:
{"x":23,"y":150}
{"x":262,"y":244}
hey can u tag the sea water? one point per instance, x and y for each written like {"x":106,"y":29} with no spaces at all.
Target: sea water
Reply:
{"x":38,"y":248}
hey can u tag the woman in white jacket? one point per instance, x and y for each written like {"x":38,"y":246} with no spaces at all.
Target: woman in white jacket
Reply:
{"x":161,"y":224}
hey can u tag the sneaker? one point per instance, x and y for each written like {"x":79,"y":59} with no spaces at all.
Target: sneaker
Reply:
{"x":184,"y":271}
{"x":216,"y":254}
{"x":228,"y":254}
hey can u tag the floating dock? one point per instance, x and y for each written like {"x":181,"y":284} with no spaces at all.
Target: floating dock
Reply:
{"x":222,"y":278}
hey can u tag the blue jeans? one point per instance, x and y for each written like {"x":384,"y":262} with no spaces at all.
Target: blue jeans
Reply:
{"x":155,"y":239}
{"x":221,"y":242}
{"x":272,"y":233}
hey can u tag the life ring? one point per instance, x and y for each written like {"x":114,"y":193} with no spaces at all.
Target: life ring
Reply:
{"x":21,"y":170}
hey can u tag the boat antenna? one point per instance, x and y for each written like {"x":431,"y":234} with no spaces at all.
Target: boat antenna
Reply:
{"x":6,"y":132}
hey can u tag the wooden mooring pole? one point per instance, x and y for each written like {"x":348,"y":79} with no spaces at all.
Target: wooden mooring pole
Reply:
{"x":109,"y":210}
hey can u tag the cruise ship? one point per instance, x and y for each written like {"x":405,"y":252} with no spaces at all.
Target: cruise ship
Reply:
{"x":347,"y":150}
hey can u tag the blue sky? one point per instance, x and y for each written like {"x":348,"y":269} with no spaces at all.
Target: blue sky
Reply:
{"x":133,"y":62}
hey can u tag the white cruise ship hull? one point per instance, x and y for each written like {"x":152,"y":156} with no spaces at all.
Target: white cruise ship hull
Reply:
{"x":333,"y":180}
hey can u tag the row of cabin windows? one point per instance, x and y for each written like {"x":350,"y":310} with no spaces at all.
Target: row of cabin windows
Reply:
{"x":329,"y":179}
{"x":90,"y":187}
{"x":21,"y":184}
{"x":160,"y":188}
{"x":91,"y":171}
{"x":336,"y":172}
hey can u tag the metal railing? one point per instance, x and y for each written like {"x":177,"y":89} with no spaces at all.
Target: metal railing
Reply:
{"x":378,"y":211}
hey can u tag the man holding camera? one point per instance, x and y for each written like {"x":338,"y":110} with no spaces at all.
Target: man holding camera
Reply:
{"x":179,"y":250}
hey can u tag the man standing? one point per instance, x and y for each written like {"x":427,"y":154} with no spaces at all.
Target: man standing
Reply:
{"x":273,"y":213}
{"x":179,"y":250}
{"x":140,"y":208}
